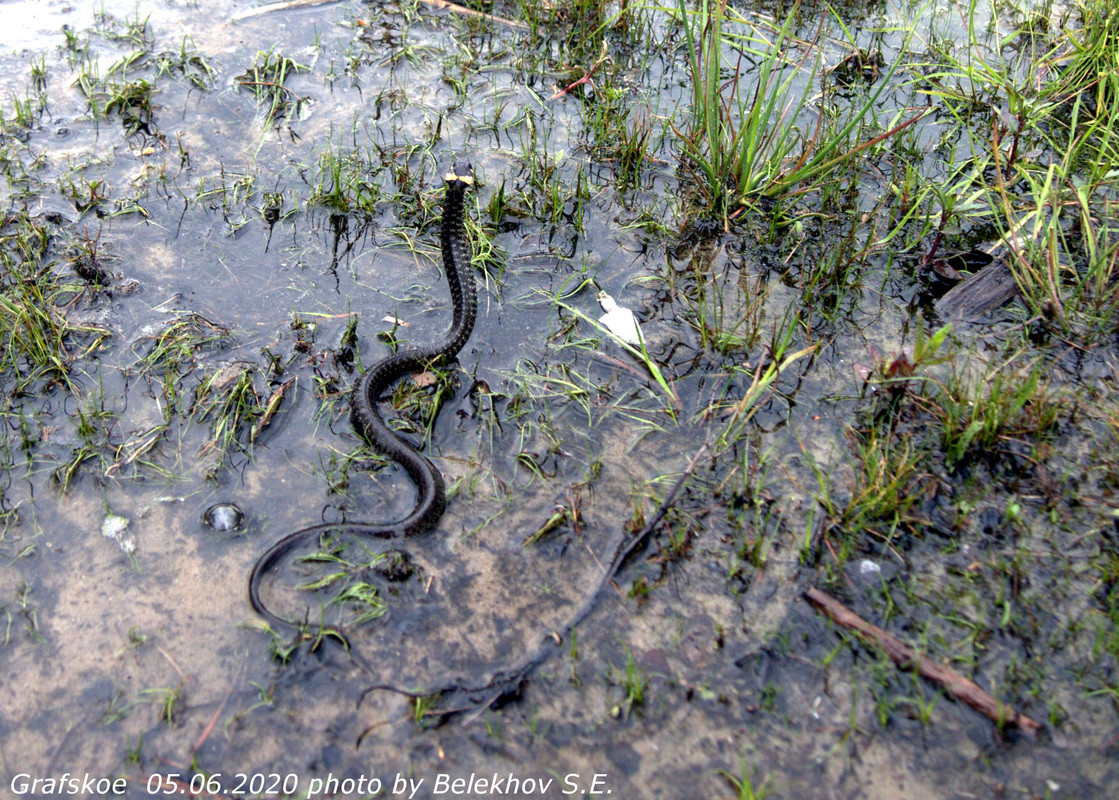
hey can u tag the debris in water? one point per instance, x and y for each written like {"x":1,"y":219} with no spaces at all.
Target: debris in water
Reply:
{"x":113,"y":527}
{"x":620,"y":321}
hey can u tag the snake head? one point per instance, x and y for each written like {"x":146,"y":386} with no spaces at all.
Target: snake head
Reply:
{"x":461,"y":171}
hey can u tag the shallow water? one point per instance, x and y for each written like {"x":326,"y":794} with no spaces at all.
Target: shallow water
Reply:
{"x":139,"y":656}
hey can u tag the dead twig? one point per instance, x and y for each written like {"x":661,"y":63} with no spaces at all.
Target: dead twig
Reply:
{"x":588,"y":78}
{"x":217,"y":714}
{"x":627,"y":547}
{"x":457,"y":9}
{"x":441,"y":4}
{"x":268,"y":9}
{"x":957,"y":685}
{"x":509,"y":682}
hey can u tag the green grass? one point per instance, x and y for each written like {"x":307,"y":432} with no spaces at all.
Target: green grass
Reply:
{"x":236,"y":194}
{"x":94,"y":426}
{"x":634,"y":684}
{"x":744,"y":783}
{"x":40,"y":342}
{"x":743,"y":142}
{"x":170,"y":354}
{"x":265,"y":79}
{"x":129,"y":99}
{"x":361,"y":599}
{"x":230,"y":402}
{"x":1088,"y":54}
{"x":981,"y":417}
{"x":186,"y":62}
{"x":19,"y":617}
{"x":346,"y":182}
{"x":176,"y":347}
{"x":885,"y":492}
{"x":167,"y":700}
{"x":135,"y":32}
{"x":1040,"y":175}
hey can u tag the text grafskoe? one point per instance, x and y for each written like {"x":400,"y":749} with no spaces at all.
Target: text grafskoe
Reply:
{"x":67,"y":784}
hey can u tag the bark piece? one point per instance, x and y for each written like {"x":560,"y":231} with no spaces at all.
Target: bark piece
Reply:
{"x":988,"y":289}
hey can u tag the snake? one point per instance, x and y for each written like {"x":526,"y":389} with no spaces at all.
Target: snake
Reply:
{"x":431,"y":496}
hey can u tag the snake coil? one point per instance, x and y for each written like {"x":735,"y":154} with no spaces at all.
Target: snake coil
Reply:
{"x":366,"y":419}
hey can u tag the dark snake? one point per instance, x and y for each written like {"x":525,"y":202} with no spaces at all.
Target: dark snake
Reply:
{"x":431,"y":500}
{"x":367,"y":421}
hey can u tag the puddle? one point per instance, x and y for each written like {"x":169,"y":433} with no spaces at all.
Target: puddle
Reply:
{"x":206,"y":230}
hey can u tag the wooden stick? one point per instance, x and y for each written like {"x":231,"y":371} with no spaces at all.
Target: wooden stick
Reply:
{"x":246,"y":13}
{"x":290,"y":4}
{"x":960,"y":687}
{"x":456,"y":8}
{"x":508,"y":681}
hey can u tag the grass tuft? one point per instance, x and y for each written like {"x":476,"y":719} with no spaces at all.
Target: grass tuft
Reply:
{"x":265,"y":81}
{"x":40,"y":337}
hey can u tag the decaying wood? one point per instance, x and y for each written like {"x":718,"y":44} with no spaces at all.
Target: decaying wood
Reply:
{"x":960,"y":687}
{"x":986,"y":290}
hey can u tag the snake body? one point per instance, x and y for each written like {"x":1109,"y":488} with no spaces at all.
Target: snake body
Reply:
{"x":366,"y":419}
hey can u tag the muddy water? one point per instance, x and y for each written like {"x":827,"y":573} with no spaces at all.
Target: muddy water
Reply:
{"x":140,"y":658}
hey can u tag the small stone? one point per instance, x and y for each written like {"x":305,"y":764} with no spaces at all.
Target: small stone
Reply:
{"x":223,"y":517}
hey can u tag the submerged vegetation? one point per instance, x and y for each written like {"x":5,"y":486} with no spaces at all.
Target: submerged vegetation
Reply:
{"x":202,"y":249}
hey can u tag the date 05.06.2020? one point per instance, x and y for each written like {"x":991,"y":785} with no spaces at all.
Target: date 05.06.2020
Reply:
{"x":275,"y":784}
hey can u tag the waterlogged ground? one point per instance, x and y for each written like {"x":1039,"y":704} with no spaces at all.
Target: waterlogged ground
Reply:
{"x":209,"y":227}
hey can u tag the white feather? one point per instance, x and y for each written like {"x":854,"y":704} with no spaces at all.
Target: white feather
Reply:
{"x":620,"y":321}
